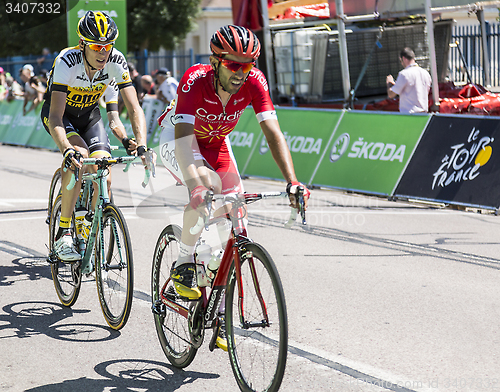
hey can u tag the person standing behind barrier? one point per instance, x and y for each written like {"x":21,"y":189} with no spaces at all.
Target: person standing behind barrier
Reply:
{"x":4,"y":88}
{"x":33,"y":89}
{"x":167,"y":86}
{"x":412,"y":85}
{"x":148,"y":86}
{"x":135,"y":76}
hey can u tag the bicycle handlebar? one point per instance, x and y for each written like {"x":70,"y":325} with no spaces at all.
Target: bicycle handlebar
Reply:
{"x":150,"y":168}
{"x":101,"y":163}
{"x":247,"y":199}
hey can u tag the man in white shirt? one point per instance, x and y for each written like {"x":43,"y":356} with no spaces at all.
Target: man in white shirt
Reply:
{"x":412,"y":85}
{"x":167,"y":86}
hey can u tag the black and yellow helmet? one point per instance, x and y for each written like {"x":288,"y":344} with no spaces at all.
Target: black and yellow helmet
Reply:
{"x":97,"y":27}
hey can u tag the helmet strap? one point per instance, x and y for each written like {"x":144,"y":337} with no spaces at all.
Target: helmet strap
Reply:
{"x":217,"y":80}
{"x":85,"y":58}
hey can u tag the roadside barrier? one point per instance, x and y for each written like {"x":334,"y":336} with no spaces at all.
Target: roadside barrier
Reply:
{"x":448,"y":158}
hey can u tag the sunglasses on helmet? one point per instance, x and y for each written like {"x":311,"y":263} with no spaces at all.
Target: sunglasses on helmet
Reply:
{"x":100,"y":47}
{"x":235,"y":66}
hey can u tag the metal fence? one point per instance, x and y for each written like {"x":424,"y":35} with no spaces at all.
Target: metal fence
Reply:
{"x":146,"y":62}
{"x":469,"y":44}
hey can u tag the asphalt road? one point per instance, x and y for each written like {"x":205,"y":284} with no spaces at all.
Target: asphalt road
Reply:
{"x":381,"y":295}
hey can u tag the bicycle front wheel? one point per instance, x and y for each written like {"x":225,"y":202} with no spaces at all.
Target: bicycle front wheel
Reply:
{"x":114,"y":268}
{"x":66,"y":276}
{"x":170,"y":311}
{"x":256,"y":324}
{"x":54,"y":190}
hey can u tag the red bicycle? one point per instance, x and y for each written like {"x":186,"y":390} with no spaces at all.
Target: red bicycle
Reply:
{"x":255,"y":315}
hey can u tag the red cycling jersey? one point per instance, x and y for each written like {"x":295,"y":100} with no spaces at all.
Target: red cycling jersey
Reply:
{"x":197,"y":103}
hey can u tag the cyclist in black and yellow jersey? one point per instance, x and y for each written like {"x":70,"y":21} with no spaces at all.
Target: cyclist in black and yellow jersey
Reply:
{"x":78,"y":78}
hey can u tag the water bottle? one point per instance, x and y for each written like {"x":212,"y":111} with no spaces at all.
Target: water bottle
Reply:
{"x":79,"y":217}
{"x":203,"y":254}
{"x":213,"y":265}
{"x":87,"y":224}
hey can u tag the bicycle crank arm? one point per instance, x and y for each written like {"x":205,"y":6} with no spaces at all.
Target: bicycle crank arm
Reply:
{"x":262,"y":324}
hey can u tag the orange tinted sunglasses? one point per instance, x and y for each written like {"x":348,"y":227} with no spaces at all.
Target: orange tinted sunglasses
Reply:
{"x":99,"y":47}
{"x":235,"y":66}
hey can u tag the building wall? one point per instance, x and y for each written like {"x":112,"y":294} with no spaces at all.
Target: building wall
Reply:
{"x":215,"y":13}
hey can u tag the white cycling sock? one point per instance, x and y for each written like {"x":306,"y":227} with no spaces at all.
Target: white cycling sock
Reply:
{"x":186,"y":254}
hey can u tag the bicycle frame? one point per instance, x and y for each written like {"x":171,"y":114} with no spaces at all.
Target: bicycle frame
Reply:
{"x":88,"y":179}
{"x":103,"y":198}
{"x":211,"y":304}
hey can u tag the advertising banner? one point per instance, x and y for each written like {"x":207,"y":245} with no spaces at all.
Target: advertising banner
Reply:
{"x":152,"y":110}
{"x":40,"y":137}
{"x":116,"y":9}
{"x":306,"y":132}
{"x":369,"y":151}
{"x":457,"y":161}
{"x":21,"y":127}
{"x":7,"y":112}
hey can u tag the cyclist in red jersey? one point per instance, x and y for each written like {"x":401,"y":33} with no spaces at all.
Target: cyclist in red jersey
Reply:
{"x":194,"y":144}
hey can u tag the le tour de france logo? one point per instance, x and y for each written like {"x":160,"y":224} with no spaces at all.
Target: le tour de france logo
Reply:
{"x":464,"y":160}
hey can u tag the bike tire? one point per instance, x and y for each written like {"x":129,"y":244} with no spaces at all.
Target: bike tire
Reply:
{"x":172,"y":328}
{"x":66,"y":276}
{"x":54,"y":191}
{"x":257,"y":354}
{"x":114,"y":268}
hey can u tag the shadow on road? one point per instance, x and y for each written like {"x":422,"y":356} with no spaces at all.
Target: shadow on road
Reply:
{"x":130,"y":375}
{"x":26,"y":319}
{"x":23,"y":268}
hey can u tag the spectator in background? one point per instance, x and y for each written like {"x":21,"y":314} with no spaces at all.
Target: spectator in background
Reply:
{"x":45,"y":61}
{"x":33,"y":89}
{"x":148,"y":85}
{"x":4,"y":88}
{"x":43,"y":76}
{"x":166,"y":86}
{"x":136,"y":82}
{"x":412,"y":85}
{"x":14,"y":89}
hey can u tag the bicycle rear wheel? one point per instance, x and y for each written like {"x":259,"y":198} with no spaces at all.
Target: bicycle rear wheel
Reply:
{"x":66,"y":276}
{"x":257,"y":350}
{"x":171,"y":323}
{"x":114,"y":268}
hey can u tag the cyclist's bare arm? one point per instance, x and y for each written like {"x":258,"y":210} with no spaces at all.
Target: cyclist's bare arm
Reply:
{"x":116,"y":125}
{"x":56,"y":126}
{"x":281,"y":154}
{"x":136,"y":114}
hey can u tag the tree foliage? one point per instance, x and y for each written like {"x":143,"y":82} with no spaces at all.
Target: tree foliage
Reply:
{"x":156,"y":23}
{"x":150,"y":23}
{"x":24,"y":34}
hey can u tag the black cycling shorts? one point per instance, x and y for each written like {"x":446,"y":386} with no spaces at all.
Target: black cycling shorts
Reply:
{"x":89,"y":126}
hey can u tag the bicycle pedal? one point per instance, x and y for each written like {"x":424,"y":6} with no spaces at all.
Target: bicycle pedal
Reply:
{"x":52,"y":258}
{"x":159,"y":308}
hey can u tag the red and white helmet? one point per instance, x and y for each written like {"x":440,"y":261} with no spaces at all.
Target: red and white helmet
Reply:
{"x":235,"y":40}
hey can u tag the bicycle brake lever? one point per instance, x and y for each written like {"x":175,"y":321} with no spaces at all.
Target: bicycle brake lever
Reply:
{"x":151,"y":161}
{"x":302,"y":209}
{"x":72,"y":181}
{"x":203,"y":220}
